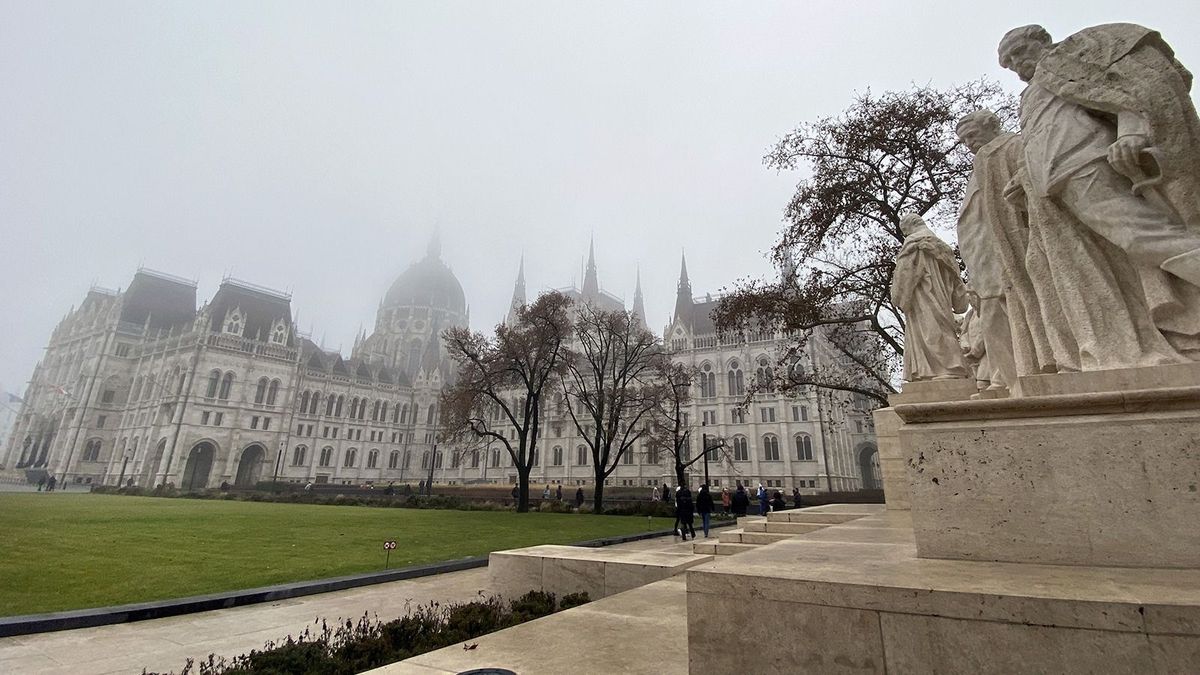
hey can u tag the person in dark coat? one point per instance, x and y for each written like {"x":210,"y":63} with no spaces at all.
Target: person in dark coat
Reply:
{"x":763,"y":500}
{"x":704,"y":506}
{"x":741,"y":501}
{"x":685,"y":511}
{"x":777,"y":503}
{"x":795,"y":497}
{"x":666,"y":493}
{"x":579,"y":498}
{"x":558,"y":492}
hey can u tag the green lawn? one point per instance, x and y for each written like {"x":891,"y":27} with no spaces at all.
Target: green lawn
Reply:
{"x":68,"y":551}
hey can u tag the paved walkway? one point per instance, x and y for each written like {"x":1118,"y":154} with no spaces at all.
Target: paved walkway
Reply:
{"x":164,"y":645}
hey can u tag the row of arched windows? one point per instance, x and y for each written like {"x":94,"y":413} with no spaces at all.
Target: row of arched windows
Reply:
{"x":310,"y":404}
{"x":219,"y":385}
{"x":267,"y":391}
{"x":735,"y":378}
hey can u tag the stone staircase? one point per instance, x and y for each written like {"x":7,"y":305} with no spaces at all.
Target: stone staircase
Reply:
{"x":753,"y":531}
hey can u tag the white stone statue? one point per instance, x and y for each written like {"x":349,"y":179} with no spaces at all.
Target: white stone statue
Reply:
{"x":970,"y":340}
{"x":1009,"y":269}
{"x":927,"y":288}
{"x":1111,"y":157}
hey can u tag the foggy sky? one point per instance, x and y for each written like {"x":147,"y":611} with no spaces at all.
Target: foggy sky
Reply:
{"x":313,"y":147}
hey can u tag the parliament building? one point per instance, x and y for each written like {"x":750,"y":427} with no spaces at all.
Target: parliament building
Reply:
{"x":142,"y":387}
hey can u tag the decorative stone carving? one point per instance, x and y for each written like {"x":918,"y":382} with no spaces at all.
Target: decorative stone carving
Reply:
{"x":1110,"y":179}
{"x":927,"y":288}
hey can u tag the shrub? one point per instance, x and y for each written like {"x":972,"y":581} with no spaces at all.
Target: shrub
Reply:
{"x":573,"y":600}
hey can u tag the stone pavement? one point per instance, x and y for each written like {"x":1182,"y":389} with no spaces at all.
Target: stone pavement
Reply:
{"x":165,"y":644}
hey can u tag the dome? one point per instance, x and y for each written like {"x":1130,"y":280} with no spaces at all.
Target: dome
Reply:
{"x":428,"y":283}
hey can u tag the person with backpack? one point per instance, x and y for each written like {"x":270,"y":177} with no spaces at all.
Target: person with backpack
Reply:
{"x":763,"y":506}
{"x":704,"y":506}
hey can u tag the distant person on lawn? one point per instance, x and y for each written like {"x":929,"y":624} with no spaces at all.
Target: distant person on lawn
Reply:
{"x":666,"y":493}
{"x":741,"y":501}
{"x":579,"y":498}
{"x":704,"y":506}
{"x":558,"y":492}
{"x":546,"y":492}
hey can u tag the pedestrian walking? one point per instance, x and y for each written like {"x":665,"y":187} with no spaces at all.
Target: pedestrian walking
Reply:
{"x":685,"y":511}
{"x":546,"y":492}
{"x":666,"y":493}
{"x":654,"y":493}
{"x":704,"y":506}
{"x":762,"y":500}
{"x":726,"y":500}
{"x":795,"y":497}
{"x":41,"y":483}
{"x":558,"y":492}
{"x":50,"y":484}
{"x":579,"y":498}
{"x":741,"y":501}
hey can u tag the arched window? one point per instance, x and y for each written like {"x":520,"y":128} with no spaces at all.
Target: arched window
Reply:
{"x":764,"y":375}
{"x":330,"y":401}
{"x":581,"y":455}
{"x":404,"y":413}
{"x":226,"y":386}
{"x":708,"y":381}
{"x":304,"y":402}
{"x":362,"y":409}
{"x":533,"y":457}
{"x":353,"y":408}
{"x":474,"y":459}
{"x":91,"y":452}
{"x":737,"y":380}
{"x":326,"y":456}
{"x":380,"y":414}
{"x":437,"y":459}
{"x":741,"y":452}
{"x":260,"y":392}
{"x":394,"y":459}
{"x":395,"y":414}
{"x":407,"y":458}
{"x":771,"y":448}
{"x":341,"y":400}
{"x":214,"y":383}
{"x":431,"y":414}
{"x":351,"y":456}
{"x":299,"y":455}
{"x":425,"y":460}
{"x":372,"y":459}
{"x":272,"y":392}
{"x":558,"y":458}
{"x":803,"y":447}
{"x":454,"y":460}
{"x":416,"y":408}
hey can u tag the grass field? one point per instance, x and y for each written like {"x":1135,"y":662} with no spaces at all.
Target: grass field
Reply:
{"x":68,"y":551}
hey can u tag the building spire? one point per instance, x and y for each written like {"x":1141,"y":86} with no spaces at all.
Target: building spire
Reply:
{"x":683,"y":298}
{"x":591,"y":285}
{"x":435,"y":245}
{"x":518,"y":298}
{"x":639,"y":309}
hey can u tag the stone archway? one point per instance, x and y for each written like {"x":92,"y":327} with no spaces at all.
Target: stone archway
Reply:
{"x":868,"y":466}
{"x":150,"y":465}
{"x":249,"y":469}
{"x":198,"y":467}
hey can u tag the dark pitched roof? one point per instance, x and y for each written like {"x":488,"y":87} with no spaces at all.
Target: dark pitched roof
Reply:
{"x":701,"y":319}
{"x":165,"y":300}
{"x":262,"y":307}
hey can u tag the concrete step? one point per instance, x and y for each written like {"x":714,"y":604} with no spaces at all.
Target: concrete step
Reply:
{"x":744,"y":537}
{"x":755,"y":526}
{"x":731,"y":549}
{"x":704,"y":547}
{"x":731,"y":536}
{"x":742,"y":520}
{"x":802,"y":516}
{"x":776,"y":527}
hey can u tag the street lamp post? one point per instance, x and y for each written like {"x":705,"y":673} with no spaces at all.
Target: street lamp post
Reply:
{"x":704,"y":449}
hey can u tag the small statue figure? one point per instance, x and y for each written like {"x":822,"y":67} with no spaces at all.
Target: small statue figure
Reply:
{"x":927,"y":288}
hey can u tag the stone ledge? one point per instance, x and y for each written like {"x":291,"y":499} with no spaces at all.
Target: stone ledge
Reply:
{"x":1063,"y":405}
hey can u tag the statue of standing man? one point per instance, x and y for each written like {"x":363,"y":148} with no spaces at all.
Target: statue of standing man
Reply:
{"x":1112,"y":169}
{"x":927,"y":288}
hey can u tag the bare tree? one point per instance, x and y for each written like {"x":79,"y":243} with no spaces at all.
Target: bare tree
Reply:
{"x":673,"y":429}
{"x":884,"y":156}
{"x":610,"y":389}
{"x":502,"y":380}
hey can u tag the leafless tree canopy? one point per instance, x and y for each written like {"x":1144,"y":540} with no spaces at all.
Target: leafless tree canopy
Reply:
{"x":884,"y":156}
{"x":610,"y":388}
{"x":502,"y":380}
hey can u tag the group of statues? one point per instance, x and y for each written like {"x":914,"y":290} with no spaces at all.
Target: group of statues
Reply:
{"x":1080,"y":234}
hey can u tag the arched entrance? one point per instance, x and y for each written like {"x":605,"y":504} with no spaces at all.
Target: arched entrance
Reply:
{"x":868,"y":466}
{"x":199,"y":466}
{"x":250,"y":466}
{"x":150,"y":466}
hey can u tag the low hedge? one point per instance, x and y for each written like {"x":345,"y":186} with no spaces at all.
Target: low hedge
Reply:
{"x":346,"y":646}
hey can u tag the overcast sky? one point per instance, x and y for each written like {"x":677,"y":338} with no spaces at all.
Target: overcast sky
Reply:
{"x":313,"y":147}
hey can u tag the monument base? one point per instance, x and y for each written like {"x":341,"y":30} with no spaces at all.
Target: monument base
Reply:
{"x":1108,"y":477}
{"x":856,"y":598}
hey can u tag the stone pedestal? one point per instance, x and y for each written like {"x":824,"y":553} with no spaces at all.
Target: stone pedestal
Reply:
{"x":1108,"y":477}
{"x":892,"y":460}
